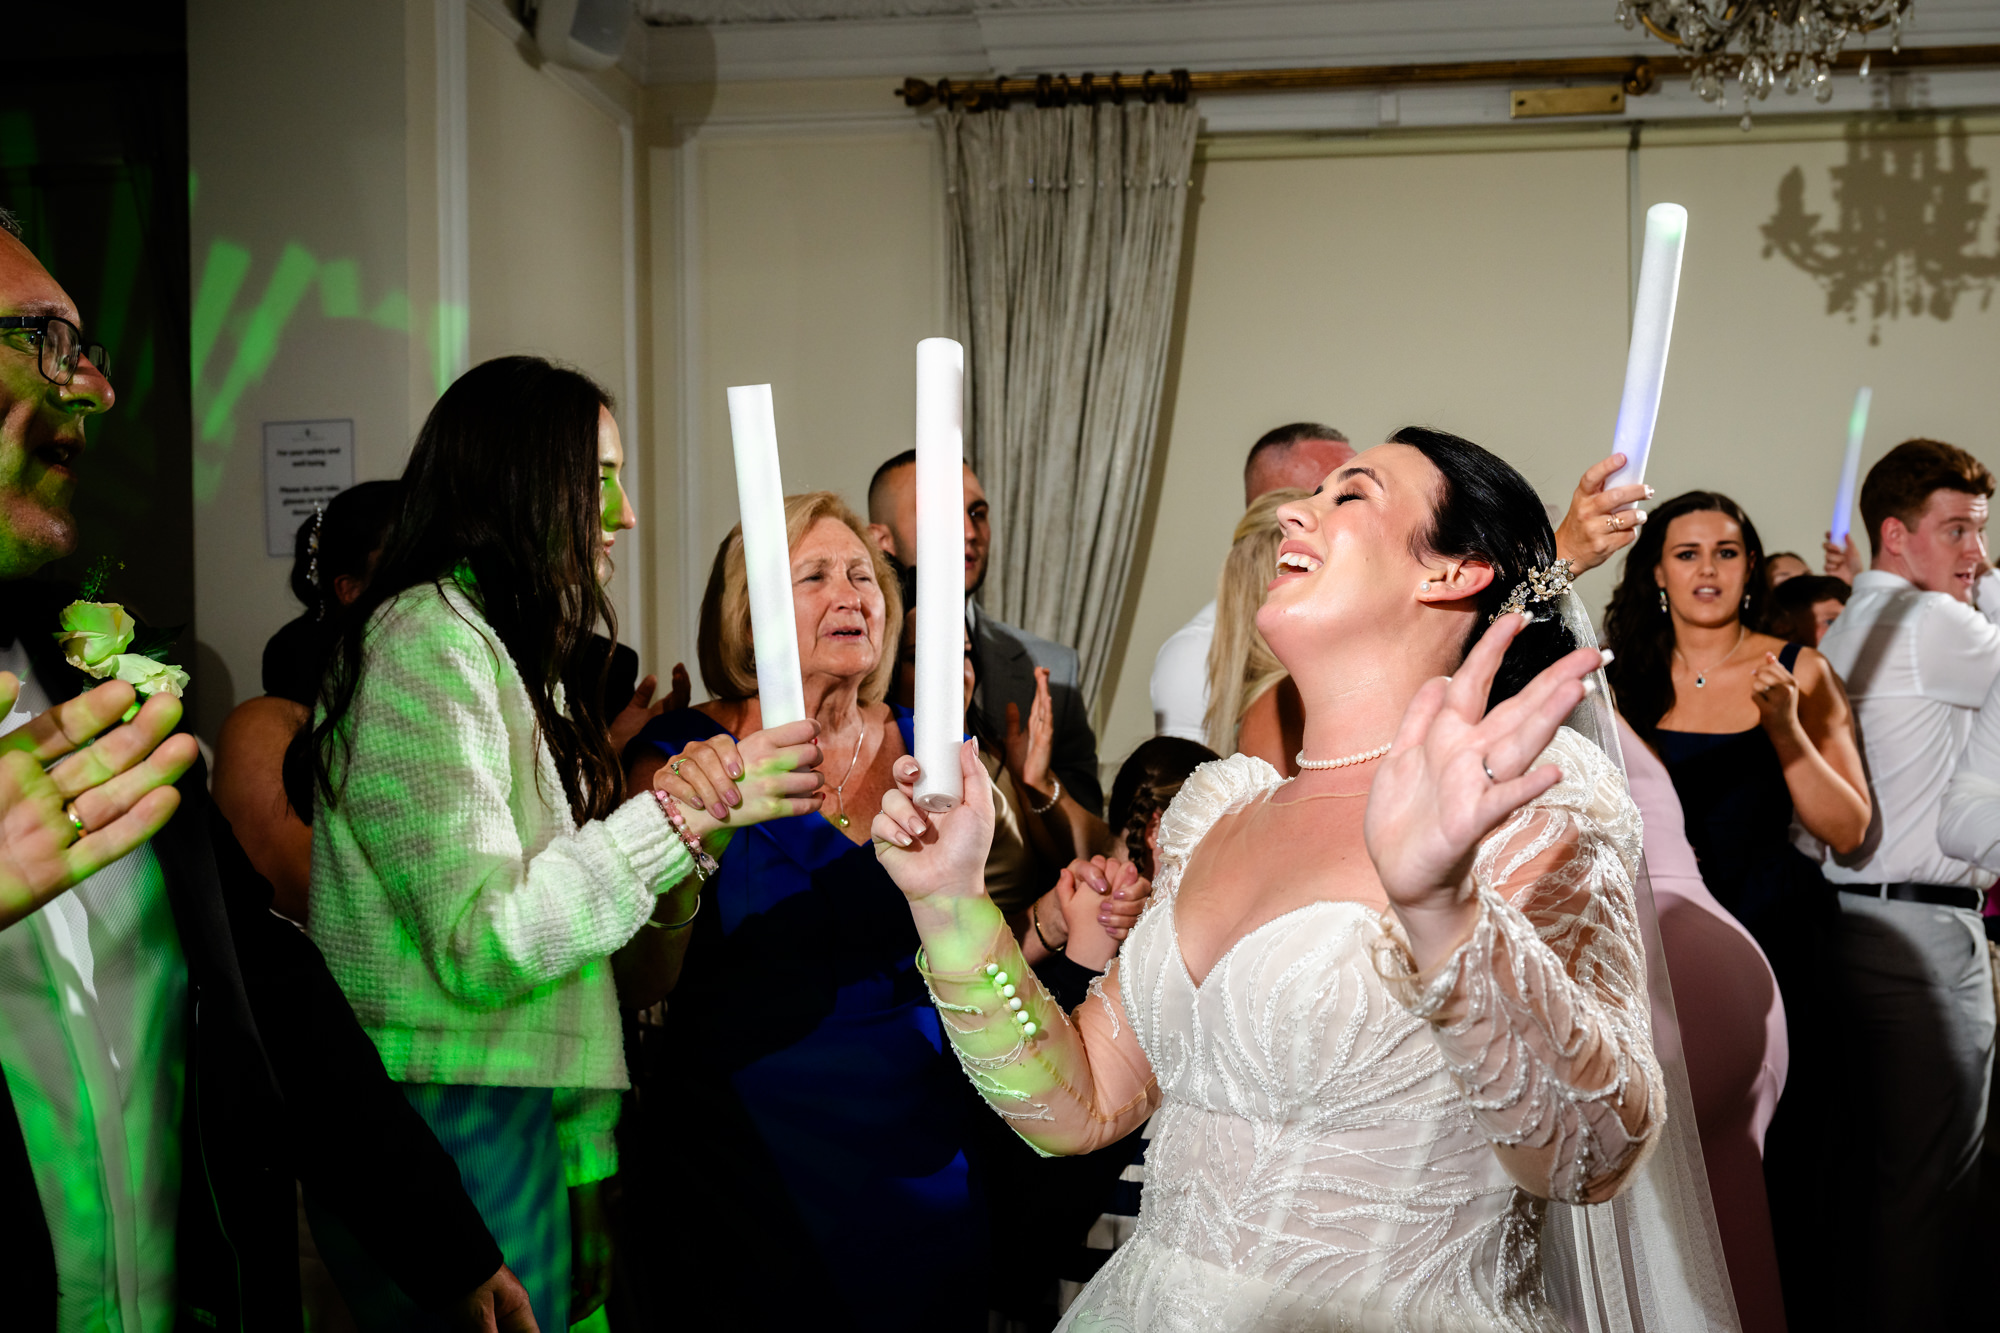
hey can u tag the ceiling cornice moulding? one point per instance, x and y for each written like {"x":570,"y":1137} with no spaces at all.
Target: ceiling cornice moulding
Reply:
{"x":1205,"y":34}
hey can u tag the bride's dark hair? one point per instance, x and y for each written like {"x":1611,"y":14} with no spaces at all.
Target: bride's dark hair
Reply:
{"x":1485,"y":510}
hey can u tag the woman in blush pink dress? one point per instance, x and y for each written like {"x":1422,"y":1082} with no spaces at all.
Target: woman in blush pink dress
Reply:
{"x":1732,"y":1025}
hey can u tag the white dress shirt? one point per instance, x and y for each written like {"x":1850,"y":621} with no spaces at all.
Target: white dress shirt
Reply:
{"x":1917,"y":665}
{"x":1969,"y":818}
{"x":1180,"y":679}
{"x":93,"y":999}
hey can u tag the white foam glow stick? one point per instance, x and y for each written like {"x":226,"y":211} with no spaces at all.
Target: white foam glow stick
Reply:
{"x":1652,"y":330}
{"x":940,"y":720}
{"x":767,"y":555}
{"x":1850,"y":467}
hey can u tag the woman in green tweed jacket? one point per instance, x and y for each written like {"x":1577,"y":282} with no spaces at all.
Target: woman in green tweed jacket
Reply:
{"x":476,"y":861}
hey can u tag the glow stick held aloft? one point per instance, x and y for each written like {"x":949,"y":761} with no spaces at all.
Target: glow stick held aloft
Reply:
{"x":767,"y":554}
{"x":940,"y":720}
{"x":1850,"y":467}
{"x":1652,"y":331}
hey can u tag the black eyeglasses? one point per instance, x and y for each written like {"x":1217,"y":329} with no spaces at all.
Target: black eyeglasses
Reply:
{"x":58,"y":346}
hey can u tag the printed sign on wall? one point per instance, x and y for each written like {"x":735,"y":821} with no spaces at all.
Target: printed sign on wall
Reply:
{"x":306,"y":464}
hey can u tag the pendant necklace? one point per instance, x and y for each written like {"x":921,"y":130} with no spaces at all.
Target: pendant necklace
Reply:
{"x":840,"y":805}
{"x":1701,"y":677}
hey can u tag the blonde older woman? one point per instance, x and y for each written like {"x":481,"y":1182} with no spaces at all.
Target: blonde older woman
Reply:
{"x":803,"y":1127}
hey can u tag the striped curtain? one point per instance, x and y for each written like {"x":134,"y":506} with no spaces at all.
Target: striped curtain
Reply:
{"x":1065,"y":228}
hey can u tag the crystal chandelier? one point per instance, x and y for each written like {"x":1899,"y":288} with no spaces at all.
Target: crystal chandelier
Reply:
{"x":1762,"y":42}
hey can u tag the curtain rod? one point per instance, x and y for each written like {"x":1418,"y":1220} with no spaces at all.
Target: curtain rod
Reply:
{"x":1638,"y":75}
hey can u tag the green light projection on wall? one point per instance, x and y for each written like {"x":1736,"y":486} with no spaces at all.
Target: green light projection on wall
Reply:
{"x":258,"y":331}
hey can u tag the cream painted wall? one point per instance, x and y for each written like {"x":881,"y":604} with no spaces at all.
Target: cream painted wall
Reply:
{"x":296,"y":128}
{"x":1763,"y":375}
{"x":546,"y":234}
{"x":1483,"y":293}
{"x":810,"y":262}
{"x":314,"y":145}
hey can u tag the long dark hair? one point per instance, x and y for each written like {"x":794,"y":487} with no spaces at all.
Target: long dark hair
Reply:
{"x":1485,"y":510}
{"x":1640,"y":633}
{"x":340,"y":539}
{"x":503,"y":479}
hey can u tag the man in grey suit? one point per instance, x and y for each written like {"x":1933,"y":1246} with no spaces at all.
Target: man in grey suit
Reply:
{"x":1004,"y":656}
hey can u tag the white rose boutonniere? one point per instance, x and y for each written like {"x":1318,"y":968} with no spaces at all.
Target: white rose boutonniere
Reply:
{"x":93,"y":633}
{"x":95,"y":637}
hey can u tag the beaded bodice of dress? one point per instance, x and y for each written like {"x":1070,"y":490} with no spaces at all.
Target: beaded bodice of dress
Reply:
{"x":1313,"y":1164}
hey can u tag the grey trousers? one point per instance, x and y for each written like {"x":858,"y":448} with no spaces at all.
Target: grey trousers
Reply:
{"x":1920,"y":1014}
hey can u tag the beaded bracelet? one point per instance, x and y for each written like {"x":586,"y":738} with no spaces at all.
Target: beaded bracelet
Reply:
{"x":1055,"y":796}
{"x":704,"y":864}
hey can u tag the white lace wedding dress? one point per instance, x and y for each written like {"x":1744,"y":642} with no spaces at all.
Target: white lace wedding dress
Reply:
{"x":1322,"y":1155}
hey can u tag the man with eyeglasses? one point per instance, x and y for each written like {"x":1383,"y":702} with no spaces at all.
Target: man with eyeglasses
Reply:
{"x":176,"y":1055}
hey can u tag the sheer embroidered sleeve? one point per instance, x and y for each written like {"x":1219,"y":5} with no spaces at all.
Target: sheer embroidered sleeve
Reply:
{"x":1066,"y":1084}
{"x":1071,"y":1083}
{"x":1542,"y":1013}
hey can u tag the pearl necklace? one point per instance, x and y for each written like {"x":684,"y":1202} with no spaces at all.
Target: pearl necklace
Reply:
{"x":1345,"y":761}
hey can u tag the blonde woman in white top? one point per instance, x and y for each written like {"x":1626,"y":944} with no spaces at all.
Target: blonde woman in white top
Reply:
{"x":476,"y":862}
{"x":1253,"y":707}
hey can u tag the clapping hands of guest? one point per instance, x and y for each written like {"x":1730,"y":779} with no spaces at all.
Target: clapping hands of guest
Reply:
{"x":1594,"y":529}
{"x":59,"y":825}
{"x":1027,"y":750}
{"x":1454,"y":773}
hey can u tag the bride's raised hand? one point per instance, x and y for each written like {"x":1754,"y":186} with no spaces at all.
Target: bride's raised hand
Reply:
{"x":1453,"y":774}
{"x":937,"y":856}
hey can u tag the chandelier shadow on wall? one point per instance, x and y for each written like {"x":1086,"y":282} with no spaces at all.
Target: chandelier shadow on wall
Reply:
{"x":1763,"y":43}
{"x":1910,"y":237}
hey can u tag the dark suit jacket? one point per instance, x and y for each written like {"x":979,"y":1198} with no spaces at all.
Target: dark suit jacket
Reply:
{"x":282,"y":1085}
{"x":1006,"y":658}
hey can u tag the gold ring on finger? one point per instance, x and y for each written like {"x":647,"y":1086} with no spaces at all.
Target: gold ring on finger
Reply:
{"x":76,"y":820}
{"x":1611,"y":523}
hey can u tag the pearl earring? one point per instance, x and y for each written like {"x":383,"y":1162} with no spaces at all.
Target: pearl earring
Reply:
{"x":1425,"y":586}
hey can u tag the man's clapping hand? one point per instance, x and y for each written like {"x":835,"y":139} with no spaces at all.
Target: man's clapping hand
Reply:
{"x":120,"y":789}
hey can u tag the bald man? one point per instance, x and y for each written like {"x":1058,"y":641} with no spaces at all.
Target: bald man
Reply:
{"x":1004,"y":656}
{"x":1300,"y":455}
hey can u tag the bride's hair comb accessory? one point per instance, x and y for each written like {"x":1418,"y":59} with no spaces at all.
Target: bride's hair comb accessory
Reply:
{"x":1542,"y":585}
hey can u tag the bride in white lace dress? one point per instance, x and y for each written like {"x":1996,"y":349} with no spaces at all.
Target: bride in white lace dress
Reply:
{"x":1382,"y":1011}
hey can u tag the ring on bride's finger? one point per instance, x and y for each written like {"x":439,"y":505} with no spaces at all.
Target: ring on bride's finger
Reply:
{"x":1488,"y":770}
{"x":675,"y":767}
{"x":1611,"y":523}
{"x":75,"y":819}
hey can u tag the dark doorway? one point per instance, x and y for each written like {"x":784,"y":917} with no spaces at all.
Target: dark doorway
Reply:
{"x":94,"y":162}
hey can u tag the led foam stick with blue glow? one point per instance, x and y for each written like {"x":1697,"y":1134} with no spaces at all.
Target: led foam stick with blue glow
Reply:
{"x":1652,"y":330}
{"x":767,"y":554}
{"x":1850,"y":467}
{"x":940,"y":721}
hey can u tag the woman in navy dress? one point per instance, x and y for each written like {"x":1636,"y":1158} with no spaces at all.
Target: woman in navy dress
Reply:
{"x":1757,"y":736}
{"x":802,"y":1154}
